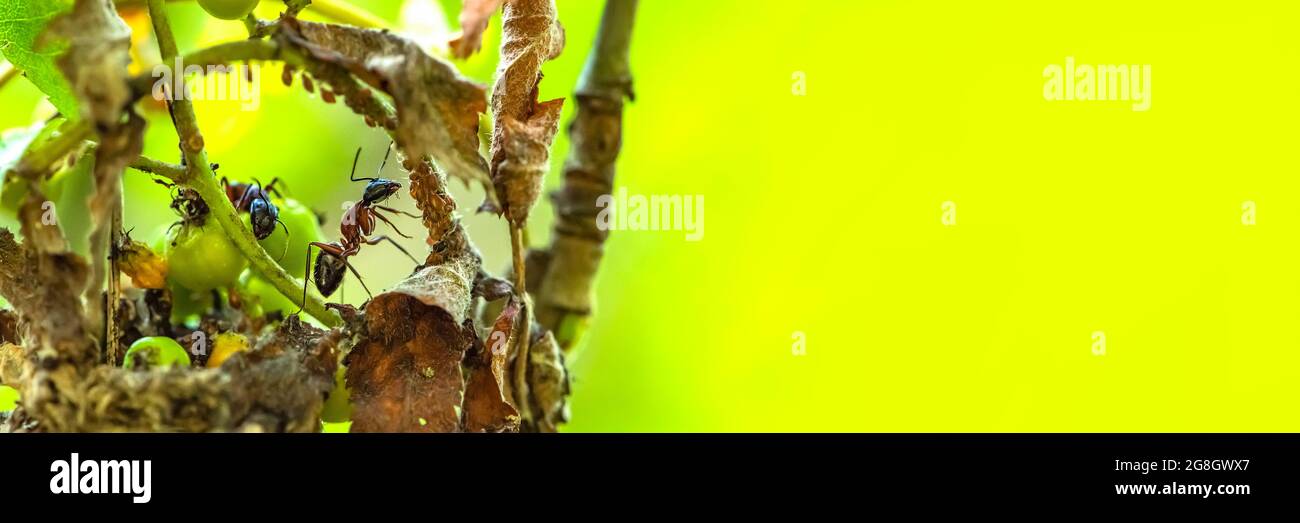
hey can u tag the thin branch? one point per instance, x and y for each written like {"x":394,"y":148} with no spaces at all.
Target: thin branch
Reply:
{"x":170,"y":171}
{"x":39,"y":161}
{"x":577,"y":244}
{"x":199,"y":176}
{"x":333,"y":10}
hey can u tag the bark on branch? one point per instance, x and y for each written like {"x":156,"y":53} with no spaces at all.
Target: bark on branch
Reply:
{"x":568,"y":267}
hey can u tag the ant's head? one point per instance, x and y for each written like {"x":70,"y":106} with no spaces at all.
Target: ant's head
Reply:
{"x":379,"y":190}
{"x":328,"y":273}
{"x":263,"y":214}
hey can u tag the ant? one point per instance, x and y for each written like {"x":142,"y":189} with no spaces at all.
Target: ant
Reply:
{"x":357,"y":225}
{"x":253,"y":199}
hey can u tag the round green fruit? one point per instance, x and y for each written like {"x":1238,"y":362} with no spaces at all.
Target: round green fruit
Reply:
{"x":268,"y":297}
{"x":228,"y":9}
{"x":203,"y":258}
{"x":155,"y":351}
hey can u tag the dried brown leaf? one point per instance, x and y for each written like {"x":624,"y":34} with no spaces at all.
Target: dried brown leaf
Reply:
{"x":405,"y":374}
{"x":11,"y":364}
{"x":437,"y":108}
{"x":548,"y":383}
{"x":474,"y":16}
{"x":119,"y":146}
{"x":523,"y":127}
{"x":487,"y":407}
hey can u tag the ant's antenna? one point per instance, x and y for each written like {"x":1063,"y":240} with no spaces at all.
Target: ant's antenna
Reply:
{"x":286,"y":243}
{"x":387,"y":152}
{"x":353,"y":175}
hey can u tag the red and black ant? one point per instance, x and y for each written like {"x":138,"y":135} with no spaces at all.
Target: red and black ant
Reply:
{"x":357,"y":225}
{"x":253,"y":199}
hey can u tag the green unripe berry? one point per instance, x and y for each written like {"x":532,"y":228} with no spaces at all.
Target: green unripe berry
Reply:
{"x":228,"y":9}
{"x":155,"y":351}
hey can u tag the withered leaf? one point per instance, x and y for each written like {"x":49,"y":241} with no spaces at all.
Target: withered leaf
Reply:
{"x":548,"y":383}
{"x":147,"y":269}
{"x":437,"y":108}
{"x":405,"y":374}
{"x":474,"y":16}
{"x":525,"y":152}
{"x":491,"y":288}
{"x":96,"y":59}
{"x":119,"y":146}
{"x":523,"y":128}
{"x":487,"y":408}
{"x":11,"y":364}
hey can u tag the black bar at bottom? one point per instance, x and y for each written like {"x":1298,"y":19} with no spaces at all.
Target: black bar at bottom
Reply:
{"x":216,"y":472}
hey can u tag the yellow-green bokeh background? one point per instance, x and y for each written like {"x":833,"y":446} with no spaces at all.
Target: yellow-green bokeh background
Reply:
{"x":823,"y":215}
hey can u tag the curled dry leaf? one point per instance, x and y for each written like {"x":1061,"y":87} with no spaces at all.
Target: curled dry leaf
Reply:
{"x":147,"y":269}
{"x":523,"y":127}
{"x":405,"y":374}
{"x":474,"y":16}
{"x":487,"y":408}
{"x":491,"y":288}
{"x":120,"y":144}
{"x":437,"y":108}
{"x":96,"y":59}
{"x":548,"y":383}
{"x":11,"y":364}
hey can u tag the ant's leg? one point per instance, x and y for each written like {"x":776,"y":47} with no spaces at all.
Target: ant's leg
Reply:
{"x":390,"y":224}
{"x":306,"y":276}
{"x":271,"y":187}
{"x":306,"y":279}
{"x":169,"y":229}
{"x":395,"y":211}
{"x":377,"y":239}
{"x":245,"y":201}
{"x":359,"y":280}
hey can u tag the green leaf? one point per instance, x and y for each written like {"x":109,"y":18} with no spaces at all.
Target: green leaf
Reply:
{"x":21,"y":23}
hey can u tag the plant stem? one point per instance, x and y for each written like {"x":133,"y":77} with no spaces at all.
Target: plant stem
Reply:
{"x":114,"y":282}
{"x":524,"y":328}
{"x":198,"y":175}
{"x":39,"y":161}
{"x":335,"y":10}
{"x":577,"y":244}
{"x":344,"y":12}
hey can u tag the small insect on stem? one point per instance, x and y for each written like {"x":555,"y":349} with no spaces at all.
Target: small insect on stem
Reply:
{"x":186,"y":203}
